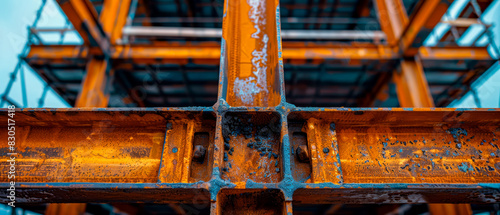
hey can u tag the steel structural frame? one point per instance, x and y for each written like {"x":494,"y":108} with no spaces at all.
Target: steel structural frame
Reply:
{"x":209,"y":53}
{"x":412,"y":87}
{"x":99,"y":76}
{"x":355,"y":155}
{"x":289,"y":154}
{"x":401,"y":32}
{"x":99,"y":34}
{"x":404,"y":36}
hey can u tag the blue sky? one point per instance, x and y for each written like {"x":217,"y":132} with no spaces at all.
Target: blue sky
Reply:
{"x":16,"y":16}
{"x":487,"y":87}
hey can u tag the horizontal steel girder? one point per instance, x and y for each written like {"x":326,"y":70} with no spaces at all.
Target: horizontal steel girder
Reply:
{"x":84,"y":18}
{"x":354,"y":155}
{"x":253,"y":151}
{"x":211,"y":54}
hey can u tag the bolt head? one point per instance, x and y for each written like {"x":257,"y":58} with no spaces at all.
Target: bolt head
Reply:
{"x":302,"y":153}
{"x":199,"y":153}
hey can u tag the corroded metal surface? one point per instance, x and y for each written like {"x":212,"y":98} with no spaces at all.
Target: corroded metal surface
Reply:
{"x":251,"y":60}
{"x":398,"y":155}
{"x":252,"y":151}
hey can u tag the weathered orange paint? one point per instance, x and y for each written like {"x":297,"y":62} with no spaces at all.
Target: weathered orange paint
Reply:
{"x":42,"y":54}
{"x":251,"y":57}
{"x":83,"y":16}
{"x":458,"y":209}
{"x":360,"y":149}
{"x":452,"y":53}
{"x":241,"y":162}
{"x":411,"y":85}
{"x":177,"y":164}
{"x":113,"y":18}
{"x":87,"y":147}
{"x":322,"y":142}
{"x":365,"y":148}
{"x":96,"y":84}
{"x":425,"y":19}
{"x":393,"y":19}
{"x":65,"y":209}
{"x":390,"y":148}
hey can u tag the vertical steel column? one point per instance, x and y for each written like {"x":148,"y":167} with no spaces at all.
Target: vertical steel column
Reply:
{"x":393,"y":19}
{"x":426,"y":17}
{"x":96,"y":85}
{"x":97,"y":81}
{"x":251,"y":77}
{"x":84,"y":18}
{"x":411,"y":85}
{"x":458,"y":209}
{"x":251,"y":59}
{"x":114,"y":17}
{"x":413,"y":91}
{"x":66,"y":209}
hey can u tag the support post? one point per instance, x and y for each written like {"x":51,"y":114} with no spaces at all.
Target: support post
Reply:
{"x":66,"y":209}
{"x":251,"y":59}
{"x":99,"y":76}
{"x":393,"y":19}
{"x":411,"y":85}
{"x":84,"y":18}
{"x":413,"y":91}
{"x":457,"y":209}
{"x":114,"y":18}
{"x":97,"y":81}
{"x":426,"y":17}
{"x":96,"y":84}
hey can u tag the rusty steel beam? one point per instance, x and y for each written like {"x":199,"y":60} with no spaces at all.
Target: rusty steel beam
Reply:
{"x":455,"y":53}
{"x":393,"y":19}
{"x":295,"y":53}
{"x":458,"y":209}
{"x":84,"y":18}
{"x":421,"y":24}
{"x":153,"y":155}
{"x":96,"y":32}
{"x":42,"y":54}
{"x":291,"y":51}
{"x":65,"y":209}
{"x":413,"y":91}
{"x":251,"y":59}
{"x":100,"y":32}
{"x":252,"y":152}
{"x":45,"y":54}
{"x":431,"y":57}
{"x":411,"y":85}
{"x":114,"y":17}
{"x":168,"y":54}
{"x":408,"y":36}
{"x":96,"y":84}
